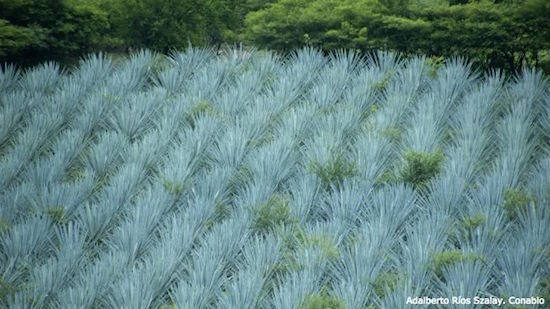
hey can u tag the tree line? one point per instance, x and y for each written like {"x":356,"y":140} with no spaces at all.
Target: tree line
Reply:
{"x":506,"y":34}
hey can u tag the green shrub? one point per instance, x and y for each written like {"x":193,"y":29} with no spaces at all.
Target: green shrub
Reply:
{"x":516,"y":201}
{"x":173,"y":187}
{"x":468,"y":226}
{"x":6,"y":289}
{"x":292,"y":236}
{"x":274,"y":212}
{"x":322,"y":300}
{"x":5,"y":147}
{"x":334,"y":171}
{"x":74,"y":174}
{"x":266,"y":138}
{"x":325,"y":244}
{"x":57,"y":214}
{"x":544,"y":288}
{"x":221,"y":209}
{"x":296,"y":239}
{"x":435,"y":63}
{"x":385,"y":280}
{"x":385,"y":81}
{"x":420,"y":167}
{"x":388,"y":177}
{"x":474,"y":222}
{"x":446,"y":258}
{"x":4,"y":226}
{"x":101,"y":182}
{"x":201,"y":107}
{"x":286,"y":264}
{"x":373,"y":108}
{"x":394,"y":133}
{"x":368,"y":111}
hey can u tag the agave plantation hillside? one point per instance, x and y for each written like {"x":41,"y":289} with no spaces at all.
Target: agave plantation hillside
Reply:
{"x":247,"y":180}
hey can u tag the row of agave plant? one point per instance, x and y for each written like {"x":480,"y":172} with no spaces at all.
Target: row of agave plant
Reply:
{"x":251,"y":180}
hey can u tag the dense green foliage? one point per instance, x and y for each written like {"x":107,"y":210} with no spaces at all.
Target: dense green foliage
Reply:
{"x":334,"y":171}
{"x":447,"y":258}
{"x":32,"y":30}
{"x":322,"y":301}
{"x":420,"y":167}
{"x":272,"y":213}
{"x":516,"y":202}
{"x":36,"y":30}
{"x":165,"y":25}
{"x":505,"y":34}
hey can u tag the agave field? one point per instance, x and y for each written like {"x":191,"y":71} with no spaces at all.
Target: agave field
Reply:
{"x":251,"y":180}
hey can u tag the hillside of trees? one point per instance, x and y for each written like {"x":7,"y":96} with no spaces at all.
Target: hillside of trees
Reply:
{"x":506,"y":34}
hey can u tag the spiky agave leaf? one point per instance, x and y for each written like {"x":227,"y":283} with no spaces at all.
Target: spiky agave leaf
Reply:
{"x":41,"y":80}
{"x":133,"y":118}
{"x":204,"y":275}
{"x":295,"y":287}
{"x":245,"y":290}
{"x":467,"y":279}
{"x":305,"y":193}
{"x":347,"y":201}
{"x":9,"y":76}
{"x":14,"y":106}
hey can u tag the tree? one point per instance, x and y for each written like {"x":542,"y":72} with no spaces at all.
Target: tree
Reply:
{"x":163,"y":25}
{"x":32,"y":31}
{"x":507,"y":34}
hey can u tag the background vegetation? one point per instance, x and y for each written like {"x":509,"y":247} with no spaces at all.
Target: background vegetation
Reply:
{"x":506,"y":34}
